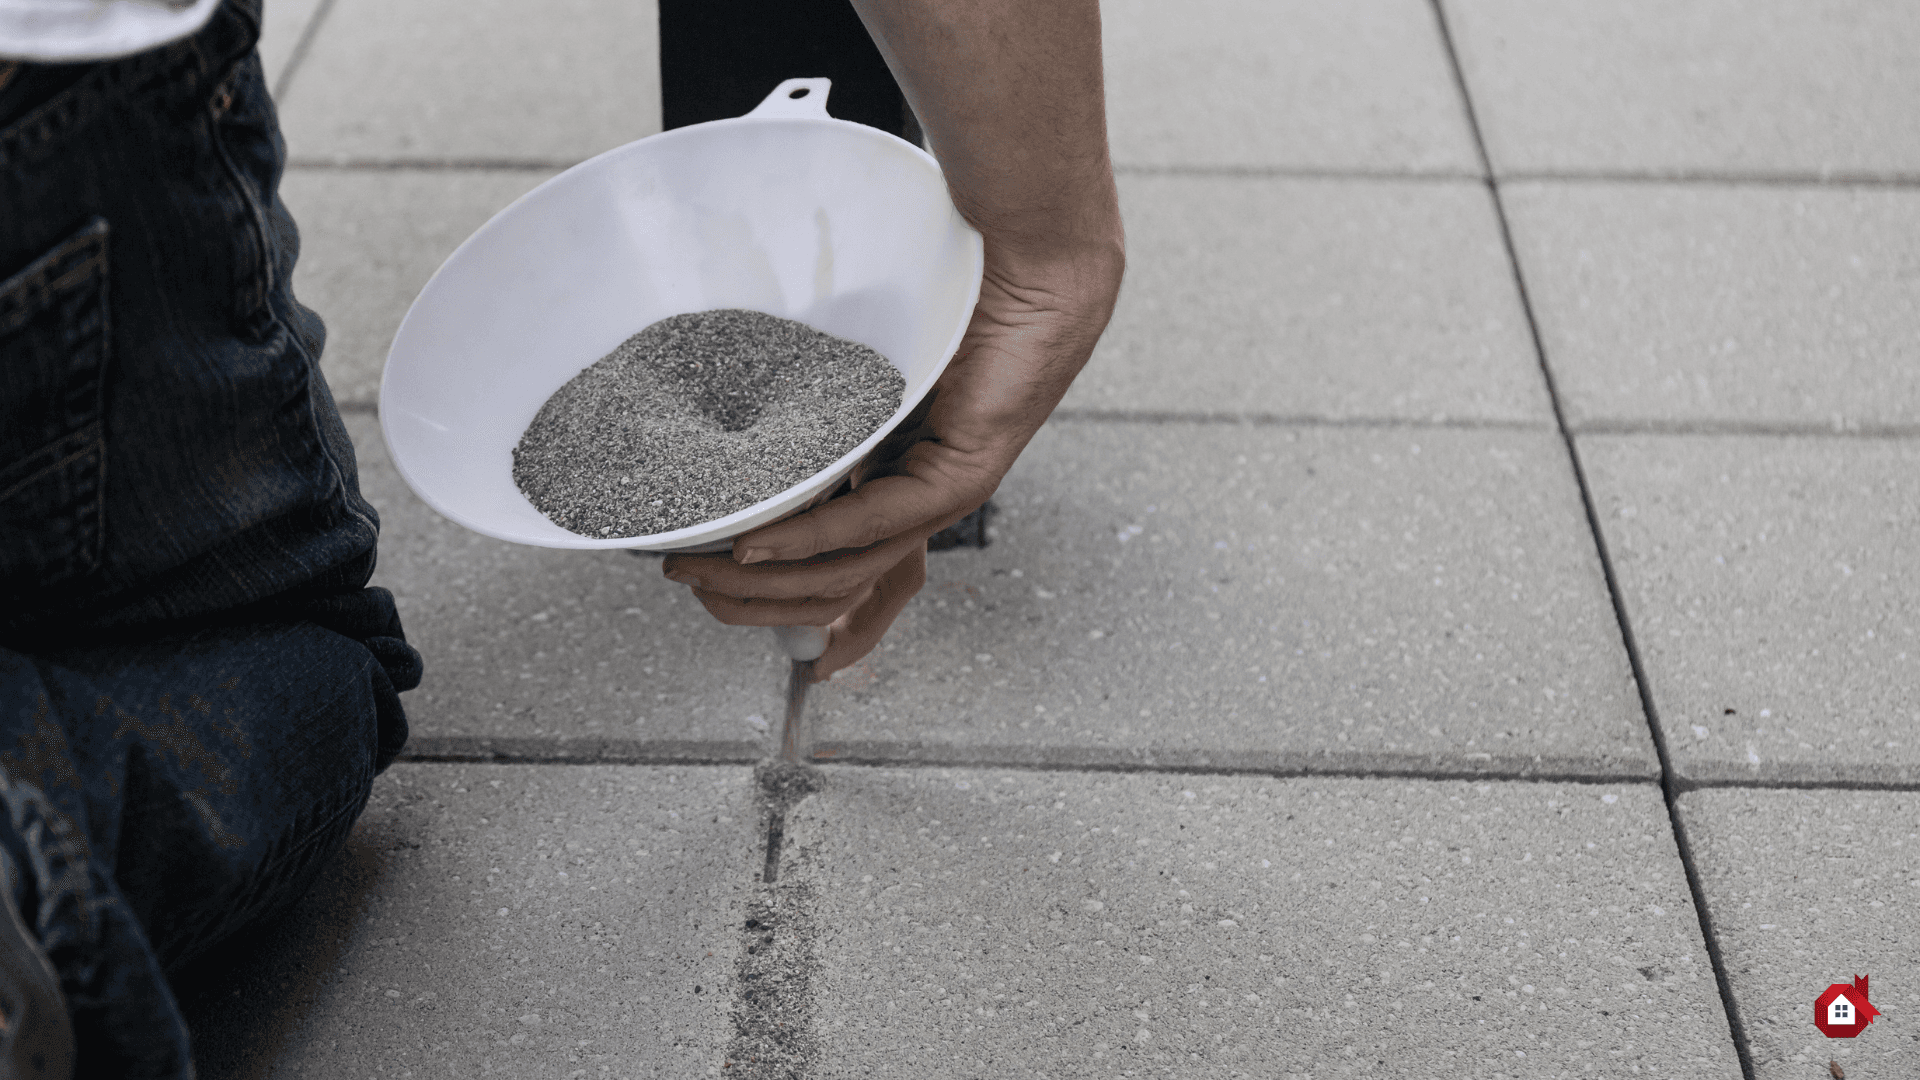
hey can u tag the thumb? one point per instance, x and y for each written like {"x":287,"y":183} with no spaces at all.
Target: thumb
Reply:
{"x":855,"y":634}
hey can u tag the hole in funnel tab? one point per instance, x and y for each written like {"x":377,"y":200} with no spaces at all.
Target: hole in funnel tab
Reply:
{"x":800,"y":93}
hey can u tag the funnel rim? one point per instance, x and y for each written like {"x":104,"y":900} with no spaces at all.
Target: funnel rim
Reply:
{"x":716,"y":530}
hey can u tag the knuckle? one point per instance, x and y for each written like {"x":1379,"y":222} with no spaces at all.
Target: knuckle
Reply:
{"x":872,"y":529}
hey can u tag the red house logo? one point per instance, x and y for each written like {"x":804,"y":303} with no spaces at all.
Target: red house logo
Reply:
{"x":1843,"y":1011}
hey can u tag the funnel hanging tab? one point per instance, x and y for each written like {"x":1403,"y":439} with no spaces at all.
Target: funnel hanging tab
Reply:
{"x":804,"y":98}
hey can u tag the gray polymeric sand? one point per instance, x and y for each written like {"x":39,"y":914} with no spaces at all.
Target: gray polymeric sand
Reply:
{"x":698,"y":416}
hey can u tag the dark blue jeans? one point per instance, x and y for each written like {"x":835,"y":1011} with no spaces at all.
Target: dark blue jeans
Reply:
{"x":196,"y":686}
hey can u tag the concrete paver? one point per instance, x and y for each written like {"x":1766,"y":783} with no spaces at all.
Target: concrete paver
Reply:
{"x":546,"y":652}
{"x":505,"y":920}
{"x":1289,"y":83}
{"x":1272,"y":597}
{"x":1771,"y":587}
{"x":1315,"y":298}
{"x":369,"y":240}
{"x":1354,"y":589}
{"x":1806,"y":889}
{"x":486,"y":80}
{"x":281,"y":24}
{"x":1684,"y":303}
{"x":1715,"y":85}
{"x":975,"y":923}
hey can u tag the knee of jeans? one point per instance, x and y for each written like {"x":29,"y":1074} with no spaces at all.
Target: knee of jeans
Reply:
{"x":381,"y":663}
{"x":359,"y":694}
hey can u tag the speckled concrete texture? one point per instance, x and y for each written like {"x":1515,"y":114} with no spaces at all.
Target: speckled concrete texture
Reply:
{"x":1287,"y":727}
{"x":516,"y":921}
{"x":1671,"y":304}
{"x":1193,"y":594}
{"x":282,"y":22}
{"x":1771,"y":585}
{"x":1282,"y":82}
{"x":1776,"y":86}
{"x":1806,"y":889}
{"x":557,"y":653}
{"x":485,"y":80}
{"x":1320,"y":298}
{"x":981,"y":923}
{"x":369,"y":241}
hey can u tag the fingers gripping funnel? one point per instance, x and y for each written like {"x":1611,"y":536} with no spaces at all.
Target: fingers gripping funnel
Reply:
{"x":784,"y":211}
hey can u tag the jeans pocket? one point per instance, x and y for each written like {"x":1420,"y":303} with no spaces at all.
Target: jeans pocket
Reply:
{"x":53,"y":358}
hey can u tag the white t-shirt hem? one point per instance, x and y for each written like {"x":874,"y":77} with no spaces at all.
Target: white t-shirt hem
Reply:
{"x":75,"y":31}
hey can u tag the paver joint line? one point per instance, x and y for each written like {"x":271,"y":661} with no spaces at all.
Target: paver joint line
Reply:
{"x":830,"y":758}
{"x":1684,"y":786}
{"x":572,"y":759}
{"x":1747,"y":429}
{"x":1699,"y":178}
{"x":1301,"y":172}
{"x":1142,"y":416}
{"x":300,"y":48}
{"x":776,"y":831}
{"x":830,"y":755}
{"x":1737,"y":428}
{"x":1692,"y":178}
{"x":773,"y":978}
{"x":1669,"y":792}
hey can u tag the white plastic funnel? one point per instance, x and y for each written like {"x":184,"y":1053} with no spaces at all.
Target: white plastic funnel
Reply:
{"x":785,"y":211}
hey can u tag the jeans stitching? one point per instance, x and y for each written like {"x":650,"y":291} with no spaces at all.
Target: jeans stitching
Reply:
{"x":259,"y":279}
{"x":346,"y":498}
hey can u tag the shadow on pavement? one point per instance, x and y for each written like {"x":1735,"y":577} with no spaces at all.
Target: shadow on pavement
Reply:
{"x":245,"y":1001}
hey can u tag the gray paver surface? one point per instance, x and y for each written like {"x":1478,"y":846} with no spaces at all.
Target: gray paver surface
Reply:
{"x":1675,"y":304}
{"x":543,"y":651}
{"x":1275,"y":597}
{"x":1291,"y":83}
{"x":1318,"y":298}
{"x":1776,"y":86}
{"x":1421,"y":614}
{"x":487,"y":80}
{"x":505,"y":920}
{"x":979,"y":923}
{"x":1285,"y":297}
{"x":282,"y":22}
{"x":1772,"y":590}
{"x":1806,"y":889}
{"x":370,"y":240}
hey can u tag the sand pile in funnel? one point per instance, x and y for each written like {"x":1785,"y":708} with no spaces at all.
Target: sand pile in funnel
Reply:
{"x":698,"y":416}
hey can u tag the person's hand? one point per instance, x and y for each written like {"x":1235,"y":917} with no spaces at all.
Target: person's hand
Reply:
{"x":1011,"y":97}
{"x":853,"y":562}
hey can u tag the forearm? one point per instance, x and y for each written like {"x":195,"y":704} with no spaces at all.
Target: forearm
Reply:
{"x":1011,"y":96}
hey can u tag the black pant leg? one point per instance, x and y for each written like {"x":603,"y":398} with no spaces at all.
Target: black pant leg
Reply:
{"x":720,"y":59}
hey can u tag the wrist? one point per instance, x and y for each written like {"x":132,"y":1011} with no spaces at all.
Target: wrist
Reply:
{"x":1080,"y":223}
